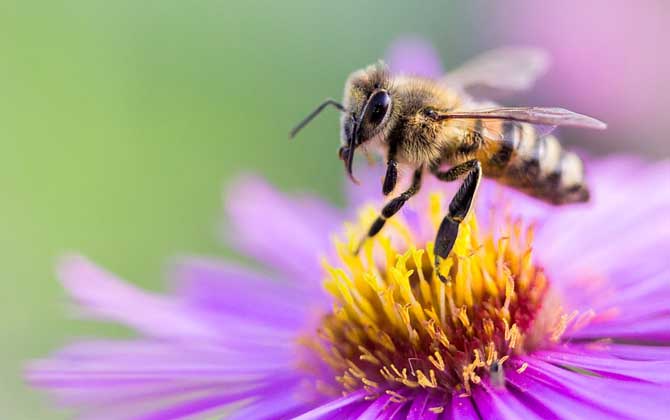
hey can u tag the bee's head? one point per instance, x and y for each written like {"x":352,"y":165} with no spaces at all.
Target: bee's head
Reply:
{"x":368,"y":103}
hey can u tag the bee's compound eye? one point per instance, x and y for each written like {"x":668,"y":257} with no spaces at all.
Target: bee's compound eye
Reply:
{"x":377,"y":107}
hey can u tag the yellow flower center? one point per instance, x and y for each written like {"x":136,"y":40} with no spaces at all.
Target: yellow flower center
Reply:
{"x":396,"y":325}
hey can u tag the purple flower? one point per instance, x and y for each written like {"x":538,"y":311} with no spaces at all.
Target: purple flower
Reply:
{"x":591,"y":326}
{"x":548,"y":313}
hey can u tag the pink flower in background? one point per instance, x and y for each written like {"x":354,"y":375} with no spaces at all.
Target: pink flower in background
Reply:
{"x":548,"y":313}
{"x":413,"y":55}
{"x":608,"y":61}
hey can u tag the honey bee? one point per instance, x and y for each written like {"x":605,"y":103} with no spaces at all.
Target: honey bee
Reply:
{"x":423,"y":125}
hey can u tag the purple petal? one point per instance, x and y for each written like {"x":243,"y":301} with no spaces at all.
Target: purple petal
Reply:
{"x":103,"y":296}
{"x":277,"y":398}
{"x":108,"y":373}
{"x":353,"y":411}
{"x":541,"y":393}
{"x":414,"y":56}
{"x":149,"y":360}
{"x":617,"y":259}
{"x":277,"y":404}
{"x":503,"y":405}
{"x":648,"y":330}
{"x":624,"y":398}
{"x":634,"y":311}
{"x":333,"y":407}
{"x":606,"y":365}
{"x":418,"y":408}
{"x":422,"y":404}
{"x":281,"y":232}
{"x":369,"y":189}
{"x":462,"y":408}
{"x":625,"y":351}
{"x":221,"y":288}
{"x":157,"y":379}
{"x":379,"y":408}
{"x":201,"y":407}
{"x":399,"y":411}
{"x":563,"y":236}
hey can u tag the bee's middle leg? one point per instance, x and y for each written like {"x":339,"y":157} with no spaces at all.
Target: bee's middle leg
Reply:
{"x":392,"y":207}
{"x":458,"y":208}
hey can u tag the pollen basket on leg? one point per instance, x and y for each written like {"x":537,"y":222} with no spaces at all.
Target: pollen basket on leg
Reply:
{"x":396,"y":326}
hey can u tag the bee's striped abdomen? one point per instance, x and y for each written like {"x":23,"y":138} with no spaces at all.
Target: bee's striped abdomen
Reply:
{"x":536,"y":165}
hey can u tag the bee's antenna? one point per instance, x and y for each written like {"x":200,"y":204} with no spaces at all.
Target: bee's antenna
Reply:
{"x":313,"y":114}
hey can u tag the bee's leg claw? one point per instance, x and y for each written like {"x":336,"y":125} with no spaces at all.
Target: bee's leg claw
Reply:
{"x":376,"y":226}
{"x":359,"y":246}
{"x":444,"y":242}
{"x":458,"y":208}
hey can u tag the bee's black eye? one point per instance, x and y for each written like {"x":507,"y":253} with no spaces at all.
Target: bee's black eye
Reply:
{"x":377,"y":107}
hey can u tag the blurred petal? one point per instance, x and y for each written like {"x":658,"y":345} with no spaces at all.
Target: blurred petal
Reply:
{"x":424,"y":405}
{"x":620,"y":265}
{"x":333,"y":407}
{"x":626,"y":398}
{"x":101,"y":295}
{"x":279,"y":232}
{"x":462,"y":408}
{"x":553,"y":398}
{"x":418,"y":408}
{"x":414,"y":56}
{"x":652,"y":330}
{"x":627,"y":351}
{"x":221,"y":288}
{"x":503,"y":405}
{"x":124,"y":378}
{"x":369,"y":189}
{"x":657,"y":371}
{"x":631,"y":311}
{"x":623,"y":205}
{"x":378,"y":409}
{"x":279,"y":403}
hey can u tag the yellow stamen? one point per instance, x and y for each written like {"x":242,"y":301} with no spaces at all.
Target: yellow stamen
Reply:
{"x":437,"y":361}
{"x":395,"y":324}
{"x":395,"y":397}
{"x":523,"y":367}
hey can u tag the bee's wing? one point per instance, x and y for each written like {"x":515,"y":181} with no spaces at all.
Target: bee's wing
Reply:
{"x":543,"y":120}
{"x":506,"y":68}
{"x":530,"y":115}
{"x":495,"y":131}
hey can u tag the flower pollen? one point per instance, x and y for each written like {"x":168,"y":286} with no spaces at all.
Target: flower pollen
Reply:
{"x":395,"y":326}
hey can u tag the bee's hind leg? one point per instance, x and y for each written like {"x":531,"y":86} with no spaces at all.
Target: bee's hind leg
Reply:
{"x":392,"y":207}
{"x":458,"y":208}
{"x":455,"y":172}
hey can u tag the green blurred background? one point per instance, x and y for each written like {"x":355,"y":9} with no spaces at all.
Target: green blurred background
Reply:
{"x":121,"y":122}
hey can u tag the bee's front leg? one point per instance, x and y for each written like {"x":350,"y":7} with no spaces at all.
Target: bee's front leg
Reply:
{"x":391,"y":176}
{"x":458,"y":208}
{"x":392,"y":207}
